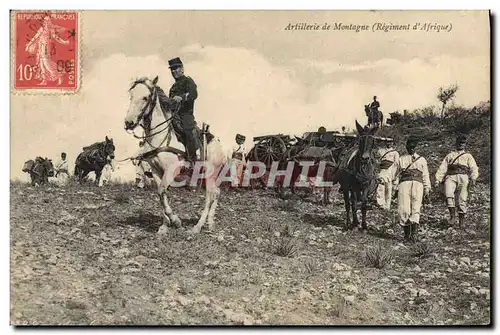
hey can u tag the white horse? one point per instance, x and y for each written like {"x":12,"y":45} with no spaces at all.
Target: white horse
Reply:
{"x":144,"y":109}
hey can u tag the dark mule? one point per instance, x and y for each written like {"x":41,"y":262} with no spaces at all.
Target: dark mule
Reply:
{"x":94,"y":158}
{"x":375,"y":117}
{"x":39,"y":170}
{"x":357,"y":175}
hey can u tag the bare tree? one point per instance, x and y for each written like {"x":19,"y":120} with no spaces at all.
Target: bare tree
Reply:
{"x":446,"y":95}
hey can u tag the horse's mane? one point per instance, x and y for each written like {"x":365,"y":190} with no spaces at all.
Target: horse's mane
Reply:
{"x":140,"y":80}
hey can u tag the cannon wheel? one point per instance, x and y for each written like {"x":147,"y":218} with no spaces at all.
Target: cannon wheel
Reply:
{"x":269,"y":150}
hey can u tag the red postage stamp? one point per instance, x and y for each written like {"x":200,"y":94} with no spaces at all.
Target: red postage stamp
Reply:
{"x":46,"y":51}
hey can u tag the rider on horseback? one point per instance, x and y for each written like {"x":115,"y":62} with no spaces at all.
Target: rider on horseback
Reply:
{"x":182,"y":95}
{"x":373,"y":114}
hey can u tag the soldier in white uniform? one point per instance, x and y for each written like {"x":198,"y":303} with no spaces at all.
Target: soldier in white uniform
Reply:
{"x":238,"y":159}
{"x":413,"y":184}
{"x":457,"y":171}
{"x":107,"y":171}
{"x":61,"y":170}
{"x":389,"y":158}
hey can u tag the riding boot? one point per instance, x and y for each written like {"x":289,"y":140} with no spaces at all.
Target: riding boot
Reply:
{"x":453,"y":216}
{"x":190,"y":145}
{"x":461,"y":220}
{"x":190,"y":157}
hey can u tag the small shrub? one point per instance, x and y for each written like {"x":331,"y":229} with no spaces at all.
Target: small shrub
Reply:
{"x":289,"y":230}
{"x":310,"y":266}
{"x":378,"y":257}
{"x":287,"y":247}
{"x":422,"y":250}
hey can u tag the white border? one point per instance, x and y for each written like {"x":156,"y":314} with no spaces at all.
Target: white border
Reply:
{"x":185,"y":4}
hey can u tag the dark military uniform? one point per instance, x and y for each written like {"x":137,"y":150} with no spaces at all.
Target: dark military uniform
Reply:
{"x":373,"y":118}
{"x":186,"y":88}
{"x":374,"y":106}
{"x":183,"y":116}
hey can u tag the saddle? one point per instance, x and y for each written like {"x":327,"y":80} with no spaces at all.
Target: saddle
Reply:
{"x":90,"y":155}
{"x":167,"y":105}
{"x":197,"y":135}
{"x":346,"y":157}
{"x":92,"y":146}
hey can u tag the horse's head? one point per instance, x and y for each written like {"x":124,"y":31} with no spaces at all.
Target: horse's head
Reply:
{"x":365,"y":140}
{"x":365,"y":173}
{"x":143,"y":95}
{"x":367,"y":109}
{"x":109,"y":148}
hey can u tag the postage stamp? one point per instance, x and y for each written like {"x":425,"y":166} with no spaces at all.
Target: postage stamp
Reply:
{"x":45,"y":51}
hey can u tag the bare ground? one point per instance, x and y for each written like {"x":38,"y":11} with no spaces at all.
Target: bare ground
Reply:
{"x":84,"y":255}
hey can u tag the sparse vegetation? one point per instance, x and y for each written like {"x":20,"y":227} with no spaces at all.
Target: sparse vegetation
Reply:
{"x":286,"y":247}
{"x":445,"y":95}
{"x":109,"y":260}
{"x":311,"y":266}
{"x":378,"y":257}
{"x":289,"y":230}
{"x":422,"y":250}
{"x":82,"y":254}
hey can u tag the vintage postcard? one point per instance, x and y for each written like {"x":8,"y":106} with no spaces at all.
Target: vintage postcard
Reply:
{"x":250,"y":168}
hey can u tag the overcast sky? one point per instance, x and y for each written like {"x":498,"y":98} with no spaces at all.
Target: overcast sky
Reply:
{"x":253,"y":76}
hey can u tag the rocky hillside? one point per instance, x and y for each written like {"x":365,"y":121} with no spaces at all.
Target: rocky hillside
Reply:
{"x":438,"y":135}
{"x":83,"y":255}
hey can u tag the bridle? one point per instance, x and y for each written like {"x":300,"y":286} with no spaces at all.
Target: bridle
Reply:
{"x":145,"y":117}
{"x":104,"y":149}
{"x":365,"y":174}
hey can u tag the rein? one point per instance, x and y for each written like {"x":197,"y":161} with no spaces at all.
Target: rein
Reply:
{"x":149,"y":108}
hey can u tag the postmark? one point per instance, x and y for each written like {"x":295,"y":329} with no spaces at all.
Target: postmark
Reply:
{"x":45,"y":51}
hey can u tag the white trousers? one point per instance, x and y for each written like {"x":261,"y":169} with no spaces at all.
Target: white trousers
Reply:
{"x":456,"y":186}
{"x":237,"y":171}
{"x":384,"y":189}
{"x":105,"y":176}
{"x":61,"y":179}
{"x":410,"y":196}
